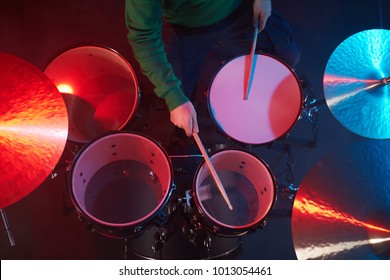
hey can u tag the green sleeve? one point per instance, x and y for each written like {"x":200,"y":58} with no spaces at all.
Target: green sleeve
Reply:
{"x":144,"y":22}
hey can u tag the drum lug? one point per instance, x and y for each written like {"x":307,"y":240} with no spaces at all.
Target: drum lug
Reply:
{"x":263,"y":224}
{"x":191,"y":235}
{"x":195,"y":222}
{"x":171,"y":208}
{"x":136,"y":231}
{"x":180,"y":171}
{"x":160,"y":237}
{"x":207,"y":242}
{"x":161,"y":220}
{"x":188,"y":201}
{"x":215,"y":229}
{"x":90,"y":227}
{"x":185,"y":202}
{"x":157,"y":242}
{"x":82,"y":220}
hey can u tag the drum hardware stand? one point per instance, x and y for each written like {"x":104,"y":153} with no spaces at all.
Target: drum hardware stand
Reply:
{"x":67,"y":208}
{"x":310,"y":109}
{"x":161,"y":236}
{"x":195,"y":230}
{"x":7,"y":227}
{"x":291,"y":189}
{"x":67,"y":164}
{"x":126,"y":247}
{"x":165,"y":228}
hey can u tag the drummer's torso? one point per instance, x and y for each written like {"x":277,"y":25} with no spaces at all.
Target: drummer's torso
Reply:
{"x":198,"y":13}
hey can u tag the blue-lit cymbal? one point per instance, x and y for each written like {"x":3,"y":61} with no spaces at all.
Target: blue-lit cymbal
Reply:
{"x":356,"y":83}
{"x":342,"y":208}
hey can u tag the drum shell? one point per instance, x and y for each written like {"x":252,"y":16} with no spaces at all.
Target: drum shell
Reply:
{"x":111,"y":147}
{"x":100,"y":89}
{"x":233,"y":160}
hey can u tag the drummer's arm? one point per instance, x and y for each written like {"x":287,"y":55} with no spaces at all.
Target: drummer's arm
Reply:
{"x":143,"y":20}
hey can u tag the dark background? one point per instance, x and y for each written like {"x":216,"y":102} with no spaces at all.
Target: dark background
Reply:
{"x":43,"y":223}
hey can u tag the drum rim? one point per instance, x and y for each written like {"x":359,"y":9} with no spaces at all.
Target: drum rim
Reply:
{"x":233,"y":230}
{"x":137,"y":93}
{"x":256,"y":143}
{"x":144,"y":220}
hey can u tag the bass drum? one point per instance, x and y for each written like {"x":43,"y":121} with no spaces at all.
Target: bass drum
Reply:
{"x":121,"y":183}
{"x":99,"y":87}
{"x":273,"y":105}
{"x":249,"y":185}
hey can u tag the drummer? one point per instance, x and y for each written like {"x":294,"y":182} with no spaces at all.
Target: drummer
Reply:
{"x":170,"y":40}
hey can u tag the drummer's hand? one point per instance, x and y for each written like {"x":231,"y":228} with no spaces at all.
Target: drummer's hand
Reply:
{"x":184,"y":117}
{"x":261,"y":12}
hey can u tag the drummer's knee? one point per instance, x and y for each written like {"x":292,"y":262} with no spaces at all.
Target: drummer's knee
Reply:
{"x":291,"y":56}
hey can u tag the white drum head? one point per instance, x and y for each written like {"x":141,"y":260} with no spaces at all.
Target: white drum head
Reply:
{"x":273,"y":105}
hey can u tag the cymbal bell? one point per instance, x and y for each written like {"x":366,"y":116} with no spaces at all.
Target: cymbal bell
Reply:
{"x":33,"y":128}
{"x":342,"y":208}
{"x":356,"y":83}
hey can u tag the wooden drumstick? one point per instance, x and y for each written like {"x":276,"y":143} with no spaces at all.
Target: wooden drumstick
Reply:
{"x":251,"y":66}
{"x":212,"y":170}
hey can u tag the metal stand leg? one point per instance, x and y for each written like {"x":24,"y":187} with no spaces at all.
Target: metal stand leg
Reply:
{"x":290,"y":189}
{"x":7,"y":228}
{"x":310,"y":112}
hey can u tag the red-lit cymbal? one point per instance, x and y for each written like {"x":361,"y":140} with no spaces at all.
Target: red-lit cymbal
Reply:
{"x":33,"y":128}
{"x":342,"y":209}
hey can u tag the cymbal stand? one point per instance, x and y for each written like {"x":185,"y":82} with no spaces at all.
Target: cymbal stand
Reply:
{"x":63,"y":167}
{"x":7,"y":227}
{"x":290,"y":189}
{"x":310,"y":112}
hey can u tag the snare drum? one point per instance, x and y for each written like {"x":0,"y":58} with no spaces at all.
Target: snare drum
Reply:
{"x":273,"y":105}
{"x":99,"y":87}
{"x":120,"y":184}
{"x":249,"y":185}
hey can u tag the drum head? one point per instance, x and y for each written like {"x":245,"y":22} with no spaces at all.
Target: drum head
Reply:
{"x":121,"y":180}
{"x":248,"y":183}
{"x":99,"y":88}
{"x":271,"y":109}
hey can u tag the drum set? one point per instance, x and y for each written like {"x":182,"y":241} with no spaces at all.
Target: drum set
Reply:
{"x":122,"y":182}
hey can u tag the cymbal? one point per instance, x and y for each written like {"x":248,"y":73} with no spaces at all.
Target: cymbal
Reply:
{"x":356,"y":83}
{"x":342,"y":208}
{"x":33,"y":128}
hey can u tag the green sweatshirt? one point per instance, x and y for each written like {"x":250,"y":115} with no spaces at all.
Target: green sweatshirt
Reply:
{"x":144,"y":22}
